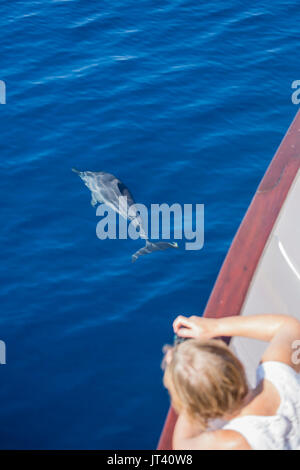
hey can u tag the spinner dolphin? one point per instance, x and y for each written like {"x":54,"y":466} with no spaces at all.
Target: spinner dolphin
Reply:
{"x":106,"y":188}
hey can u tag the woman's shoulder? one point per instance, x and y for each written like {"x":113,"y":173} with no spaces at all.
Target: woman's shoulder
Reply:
{"x":222,"y":439}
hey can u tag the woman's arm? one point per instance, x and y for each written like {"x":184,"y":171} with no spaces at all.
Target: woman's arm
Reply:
{"x":281,"y":331}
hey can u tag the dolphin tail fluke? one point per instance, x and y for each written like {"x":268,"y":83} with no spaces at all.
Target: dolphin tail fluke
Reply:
{"x":151,"y":247}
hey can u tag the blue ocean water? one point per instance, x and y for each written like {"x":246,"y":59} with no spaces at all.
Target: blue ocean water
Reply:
{"x":184,"y":101}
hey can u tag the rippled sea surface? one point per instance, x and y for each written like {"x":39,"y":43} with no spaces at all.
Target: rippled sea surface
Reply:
{"x":185,"y":101}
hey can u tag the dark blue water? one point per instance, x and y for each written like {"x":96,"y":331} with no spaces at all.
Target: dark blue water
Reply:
{"x":185,"y":101}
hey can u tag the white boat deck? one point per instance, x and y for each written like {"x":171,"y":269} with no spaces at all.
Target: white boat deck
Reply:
{"x":275,"y":286}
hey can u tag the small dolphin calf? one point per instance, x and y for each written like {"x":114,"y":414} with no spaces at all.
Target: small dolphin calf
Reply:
{"x":108,"y":189}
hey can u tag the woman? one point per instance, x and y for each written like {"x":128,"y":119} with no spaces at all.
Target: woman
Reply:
{"x":206,"y":381}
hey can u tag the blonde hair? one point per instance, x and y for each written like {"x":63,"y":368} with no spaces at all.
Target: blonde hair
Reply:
{"x":204,"y":379}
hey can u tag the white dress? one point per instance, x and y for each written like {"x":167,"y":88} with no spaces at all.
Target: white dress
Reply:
{"x":281,"y":431}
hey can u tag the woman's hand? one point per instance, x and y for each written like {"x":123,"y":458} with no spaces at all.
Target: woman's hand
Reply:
{"x":195,"y":327}
{"x":281,"y":331}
